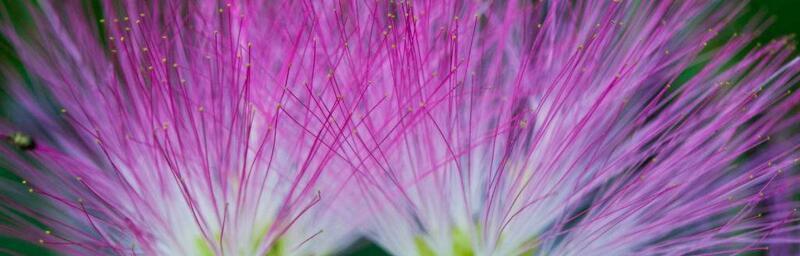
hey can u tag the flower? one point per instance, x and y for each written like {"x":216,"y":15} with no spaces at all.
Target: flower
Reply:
{"x":432,"y":128}
{"x":583,"y":128}
{"x":169,"y":136}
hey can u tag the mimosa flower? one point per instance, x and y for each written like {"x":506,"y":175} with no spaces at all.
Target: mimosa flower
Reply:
{"x":252,"y":127}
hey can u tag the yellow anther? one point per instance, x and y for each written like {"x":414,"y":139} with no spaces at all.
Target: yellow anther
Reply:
{"x":102,"y":20}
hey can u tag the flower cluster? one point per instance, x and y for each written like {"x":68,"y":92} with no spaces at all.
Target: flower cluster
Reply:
{"x":251,"y":127}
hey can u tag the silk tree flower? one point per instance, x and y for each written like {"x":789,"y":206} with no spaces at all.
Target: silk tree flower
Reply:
{"x":581,"y":128}
{"x":432,"y":128}
{"x":162,"y":131}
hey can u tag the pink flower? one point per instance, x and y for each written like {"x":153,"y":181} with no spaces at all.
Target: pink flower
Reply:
{"x":432,"y":128}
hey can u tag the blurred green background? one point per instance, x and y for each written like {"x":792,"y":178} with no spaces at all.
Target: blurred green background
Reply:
{"x":785,"y":15}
